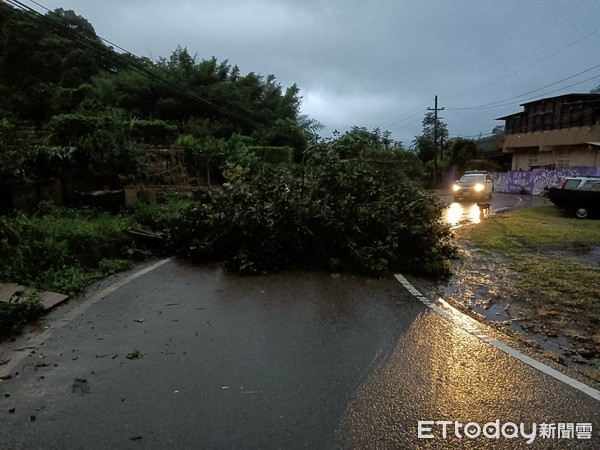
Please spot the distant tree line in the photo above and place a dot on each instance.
(59, 65)
(62, 87)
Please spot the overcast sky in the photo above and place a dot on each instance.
(377, 63)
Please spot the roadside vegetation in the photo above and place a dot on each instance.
(56, 250)
(65, 250)
(62, 250)
(333, 213)
(528, 236)
(532, 229)
(544, 267)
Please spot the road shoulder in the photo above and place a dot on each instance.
(485, 288)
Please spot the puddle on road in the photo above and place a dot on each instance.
(580, 253)
(458, 213)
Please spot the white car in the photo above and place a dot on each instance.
(473, 184)
(588, 183)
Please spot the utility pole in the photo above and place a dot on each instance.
(435, 146)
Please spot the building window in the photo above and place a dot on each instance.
(563, 161)
(532, 160)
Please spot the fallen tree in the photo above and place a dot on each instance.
(336, 213)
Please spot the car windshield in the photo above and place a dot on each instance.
(472, 178)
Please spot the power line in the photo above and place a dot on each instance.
(496, 103)
(572, 115)
(530, 65)
(526, 99)
(100, 37)
(408, 124)
(405, 117)
(547, 93)
(504, 77)
(141, 70)
(492, 106)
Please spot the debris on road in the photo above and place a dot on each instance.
(135, 355)
(80, 386)
(10, 291)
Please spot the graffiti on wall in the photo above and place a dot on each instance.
(535, 181)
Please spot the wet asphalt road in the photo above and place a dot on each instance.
(299, 360)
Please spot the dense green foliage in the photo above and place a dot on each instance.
(434, 132)
(56, 64)
(61, 87)
(449, 154)
(61, 250)
(160, 217)
(462, 151)
(66, 250)
(273, 155)
(350, 207)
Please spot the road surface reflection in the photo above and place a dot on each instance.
(458, 213)
(453, 376)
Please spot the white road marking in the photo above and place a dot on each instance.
(18, 356)
(519, 202)
(471, 326)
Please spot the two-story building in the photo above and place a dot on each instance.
(555, 132)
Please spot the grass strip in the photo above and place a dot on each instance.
(547, 250)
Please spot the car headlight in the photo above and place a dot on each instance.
(456, 187)
(479, 187)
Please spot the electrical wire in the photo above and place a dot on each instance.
(529, 66)
(138, 68)
(497, 105)
(487, 106)
(406, 125)
(405, 117)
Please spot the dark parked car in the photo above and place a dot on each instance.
(578, 195)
